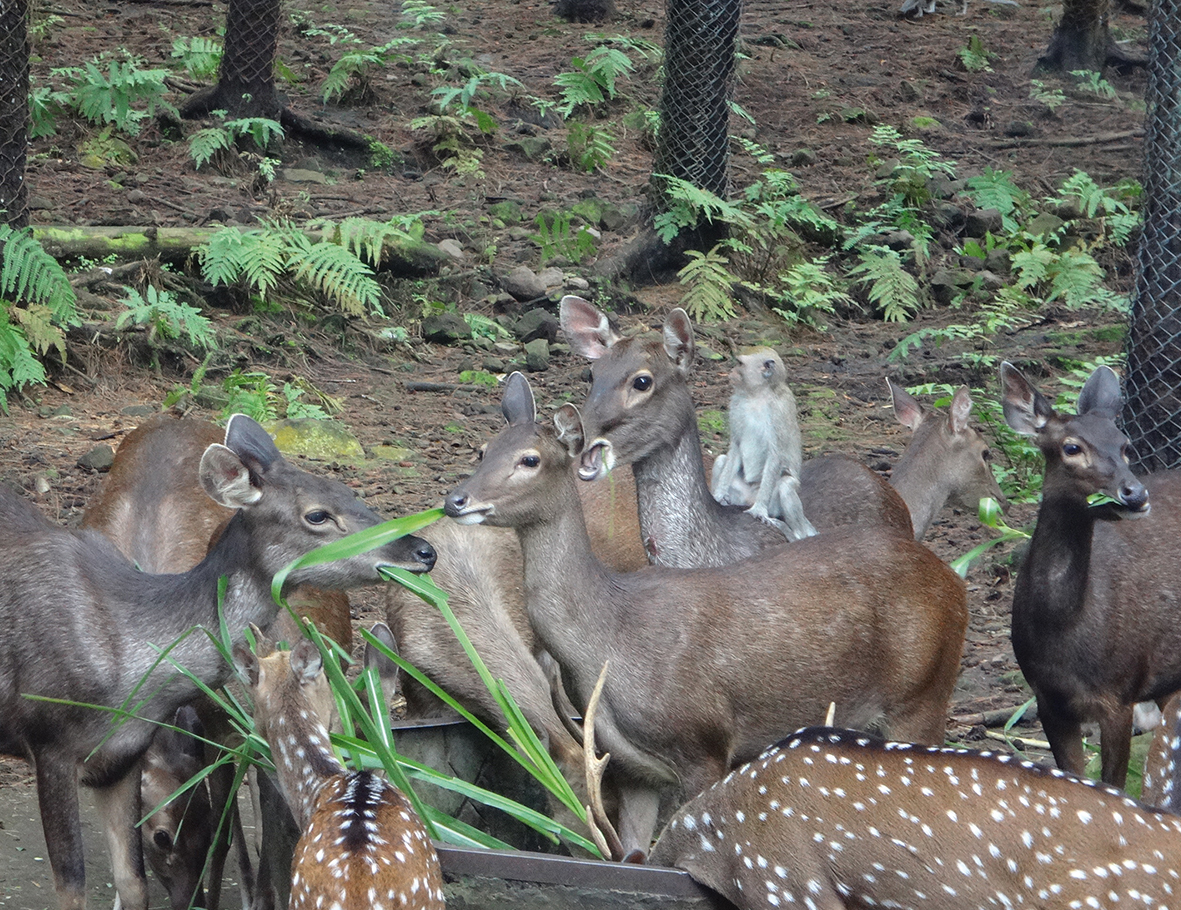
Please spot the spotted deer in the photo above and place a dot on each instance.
(1162, 771)
(874, 622)
(834, 819)
(1095, 605)
(361, 845)
(640, 412)
(105, 648)
(947, 460)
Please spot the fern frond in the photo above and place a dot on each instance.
(366, 239)
(890, 287)
(339, 274)
(206, 143)
(708, 279)
(31, 274)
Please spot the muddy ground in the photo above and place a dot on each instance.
(813, 75)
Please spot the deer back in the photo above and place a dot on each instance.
(832, 818)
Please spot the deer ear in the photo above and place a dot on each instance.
(1026, 409)
(588, 329)
(1100, 393)
(961, 407)
(907, 411)
(518, 405)
(246, 664)
(386, 668)
(568, 428)
(306, 662)
(678, 341)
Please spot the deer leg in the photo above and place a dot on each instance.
(639, 806)
(1115, 732)
(1065, 735)
(57, 795)
(223, 799)
(119, 806)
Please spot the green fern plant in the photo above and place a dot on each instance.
(892, 289)
(452, 144)
(350, 76)
(592, 80)
(200, 57)
(418, 14)
(166, 317)
(36, 303)
(807, 292)
(995, 189)
(590, 147)
(558, 236)
(1093, 83)
(1052, 98)
(216, 142)
(974, 57)
(114, 95)
(261, 257)
(686, 206)
(707, 280)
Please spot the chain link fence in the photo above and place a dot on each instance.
(1152, 409)
(699, 54)
(247, 80)
(14, 111)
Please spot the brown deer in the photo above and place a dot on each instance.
(836, 819)
(874, 622)
(640, 412)
(361, 843)
(1094, 610)
(152, 507)
(105, 650)
(481, 570)
(1162, 771)
(946, 461)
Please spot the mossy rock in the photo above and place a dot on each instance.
(323, 440)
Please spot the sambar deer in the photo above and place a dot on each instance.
(105, 648)
(874, 622)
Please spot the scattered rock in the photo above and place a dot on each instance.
(802, 157)
(537, 355)
(1019, 128)
(537, 323)
(947, 216)
(100, 458)
(445, 328)
(535, 148)
(523, 283)
(302, 175)
(1044, 223)
(325, 440)
(508, 210)
(453, 249)
(551, 278)
(574, 283)
(984, 221)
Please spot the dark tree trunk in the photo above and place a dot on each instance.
(246, 83)
(14, 111)
(1082, 41)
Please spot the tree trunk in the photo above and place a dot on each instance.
(14, 111)
(1080, 40)
(246, 83)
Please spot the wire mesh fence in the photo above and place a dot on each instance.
(14, 110)
(699, 55)
(1152, 409)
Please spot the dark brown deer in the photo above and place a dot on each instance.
(640, 412)
(946, 461)
(874, 622)
(833, 819)
(105, 649)
(361, 845)
(1094, 608)
(152, 507)
(481, 570)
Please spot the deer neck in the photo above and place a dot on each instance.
(679, 518)
(1052, 582)
(303, 760)
(921, 487)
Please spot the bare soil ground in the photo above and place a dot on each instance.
(812, 75)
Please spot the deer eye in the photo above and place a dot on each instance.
(1071, 449)
(317, 517)
(531, 461)
(642, 383)
(986, 455)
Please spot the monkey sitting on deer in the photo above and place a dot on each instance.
(762, 467)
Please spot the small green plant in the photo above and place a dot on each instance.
(381, 156)
(892, 289)
(256, 394)
(215, 142)
(707, 280)
(1052, 98)
(991, 516)
(590, 147)
(46, 105)
(36, 303)
(479, 377)
(115, 94)
(418, 14)
(460, 100)
(807, 292)
(41, 26)
(349, 78)
(1094, 84)
(558, 236)
(166, 317)
(593, 79)
(917, 164)
(261, 257)
(974, 57)
(452, 144)
(200, 57)
(995, 189)
(687, 205)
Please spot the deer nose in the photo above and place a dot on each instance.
(426, 555)
(1134, 495)
(455, 503)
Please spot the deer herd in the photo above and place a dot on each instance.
(705, 619)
